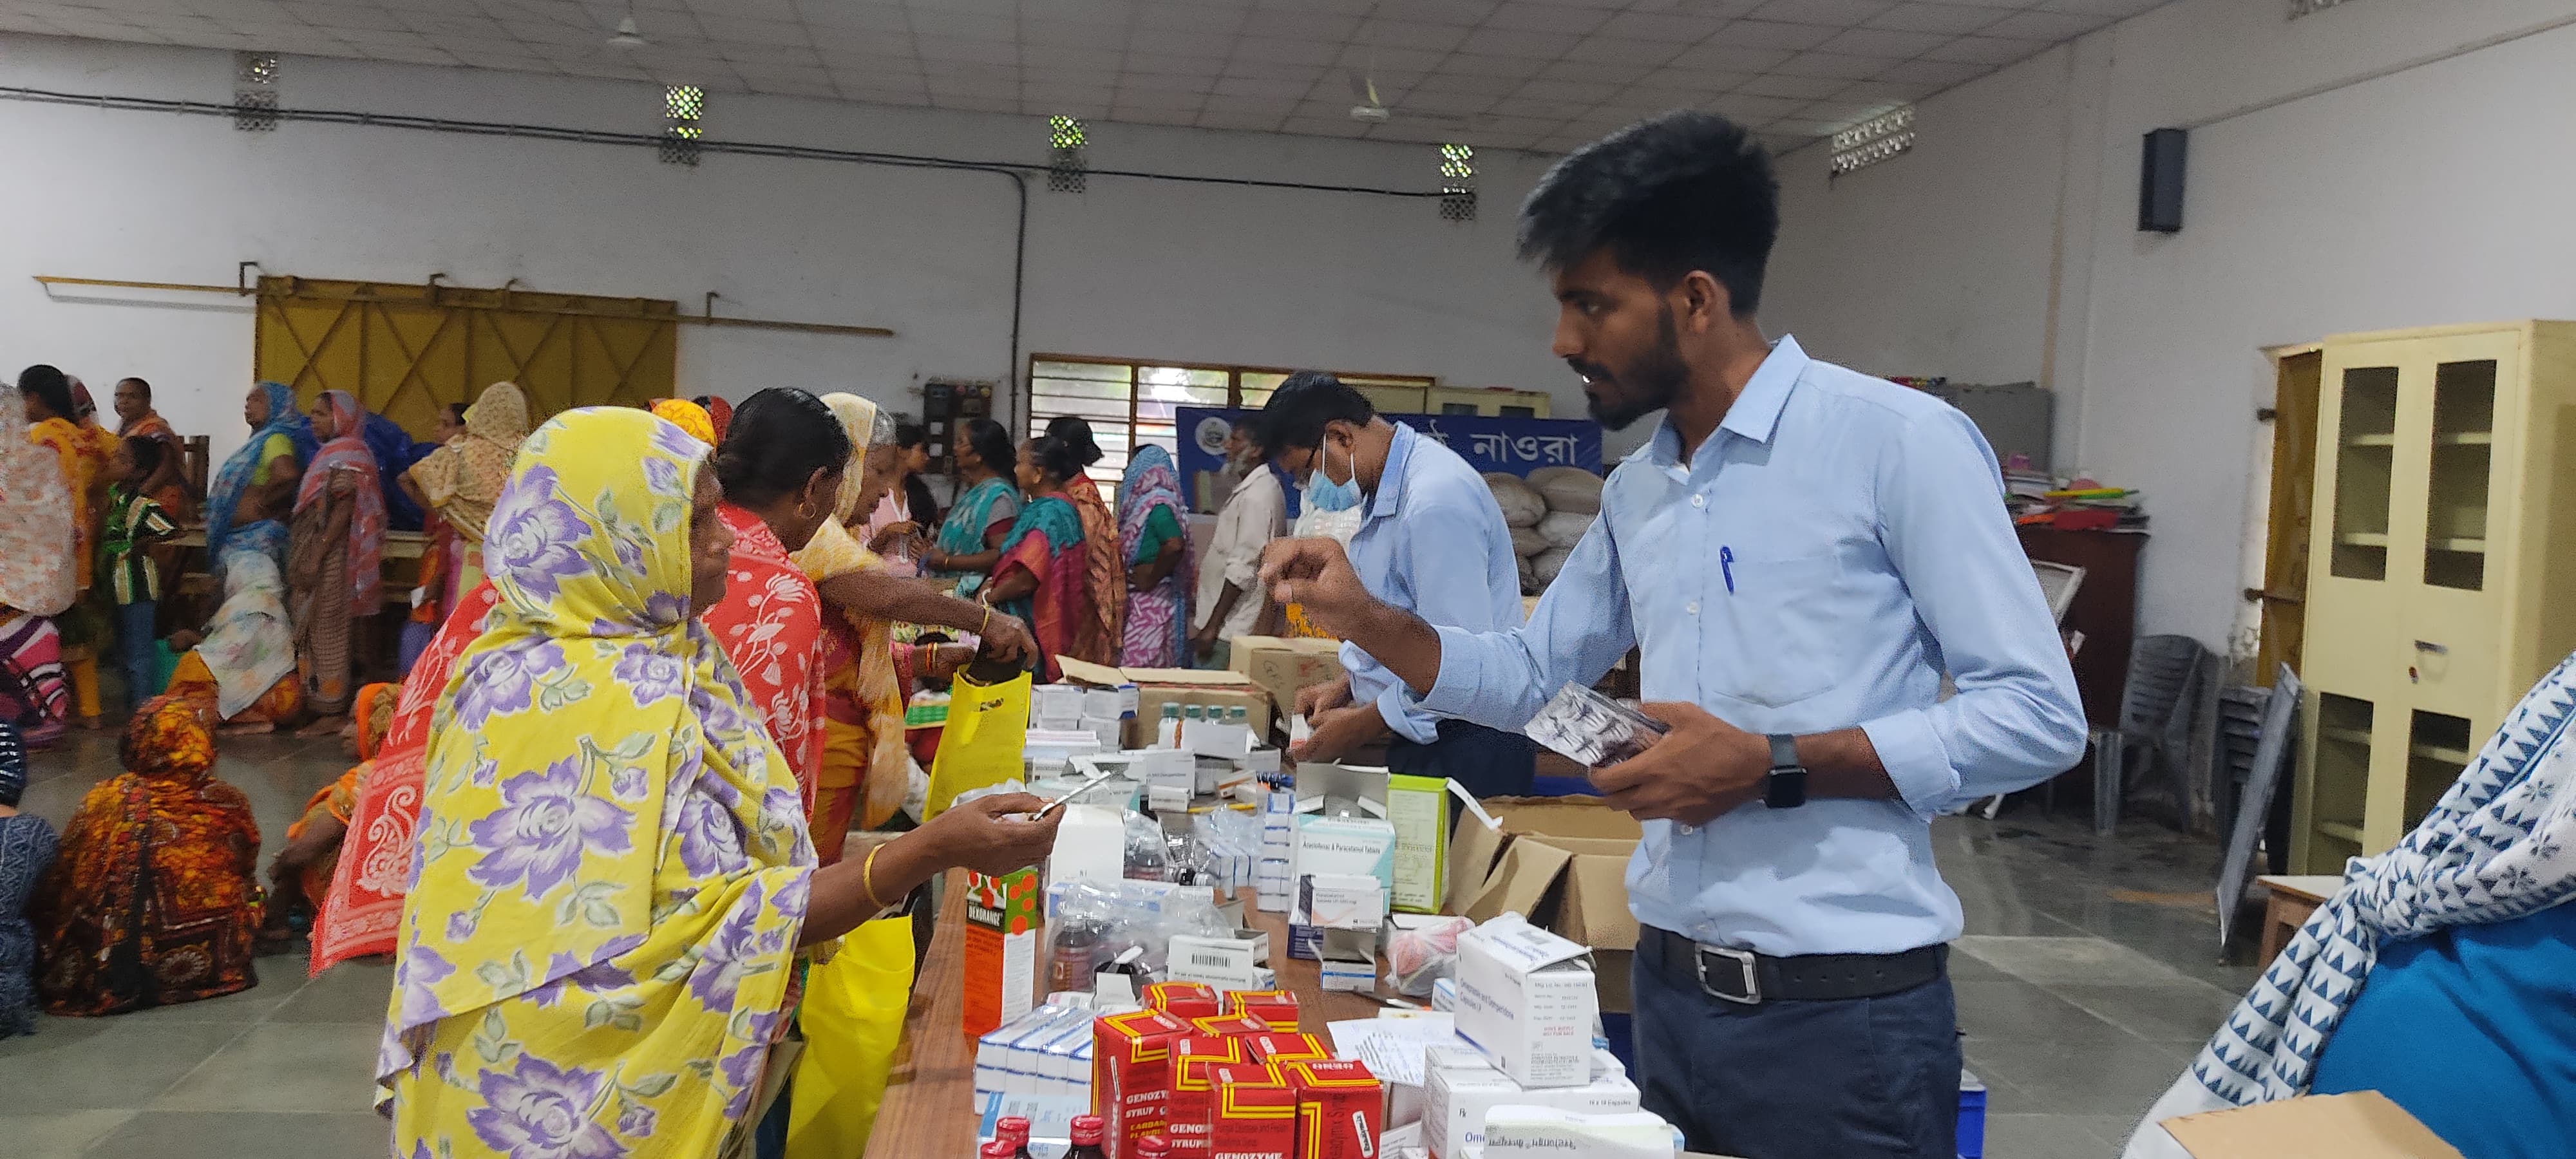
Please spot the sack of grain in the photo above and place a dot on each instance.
(1526, 542)
(1547, 565)
(1564, 528)
(1522, 505)
(1568, 488)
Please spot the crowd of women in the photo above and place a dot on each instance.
(657, 672)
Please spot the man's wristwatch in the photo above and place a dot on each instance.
(1786, 787)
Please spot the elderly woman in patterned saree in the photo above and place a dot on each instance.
(26, 848)
(865, 674)
(334, 561)
(457, 484)
(36, 581)
(244, 662)
(255, 489)
(152, 901)
(1156, 545)
(614, 878)
(1043, 577)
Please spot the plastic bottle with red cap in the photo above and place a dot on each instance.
(1088, 1131)
(1153, 1147)
(996, 1149)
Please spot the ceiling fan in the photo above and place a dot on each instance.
(1373, 109)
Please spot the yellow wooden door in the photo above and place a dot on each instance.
(407, 350)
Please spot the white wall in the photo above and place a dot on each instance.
(2432, 194)
(1132, 268)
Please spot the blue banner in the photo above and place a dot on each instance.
(1511, 446)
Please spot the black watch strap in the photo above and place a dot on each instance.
(1786, 787)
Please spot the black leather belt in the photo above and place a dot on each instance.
(1750, 979)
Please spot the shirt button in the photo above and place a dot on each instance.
(1685, 830)
(1699, 500)
(1691, 607)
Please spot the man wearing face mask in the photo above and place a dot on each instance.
(1802, 552)
(1432, 542)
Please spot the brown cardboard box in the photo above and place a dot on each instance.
(1156, 687)
(1283, 667)
(2361, 1125)
(1562, 862)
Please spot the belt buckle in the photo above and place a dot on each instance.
(1743, 959)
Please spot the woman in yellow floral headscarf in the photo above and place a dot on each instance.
(613, 872)
(865, 679)
(690, 416)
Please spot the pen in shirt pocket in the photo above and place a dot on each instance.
(1726, 566)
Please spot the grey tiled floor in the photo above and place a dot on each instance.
(2088, 976)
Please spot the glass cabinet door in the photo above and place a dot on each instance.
(2366, 445)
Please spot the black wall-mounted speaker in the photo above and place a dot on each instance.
(2160, 180)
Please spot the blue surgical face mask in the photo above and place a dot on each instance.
(1323, 493)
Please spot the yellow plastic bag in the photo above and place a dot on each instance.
(853, 1021)
(988, 726)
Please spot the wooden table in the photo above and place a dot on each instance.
(929, 1109)
(2292, 899)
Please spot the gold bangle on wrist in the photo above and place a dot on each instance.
(868, 875)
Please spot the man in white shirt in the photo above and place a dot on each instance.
(1229, 602)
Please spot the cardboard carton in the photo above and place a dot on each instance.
(1457, 1100)
(1230, 1025)
(1276, 1007)
(1156, 687)
(1001, 952)
(1131, 1074)
(1283, 667)
(2361, 1125)
(1340, 1108)
(1525, 999)
(1255, 1116)
(1281, 1046)
(1418, 808)
(1560, 861)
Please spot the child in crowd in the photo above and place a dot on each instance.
(134, 522)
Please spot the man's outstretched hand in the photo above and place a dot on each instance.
(1316, 574)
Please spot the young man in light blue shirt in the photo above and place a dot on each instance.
(1802, 552)
(1432, 542)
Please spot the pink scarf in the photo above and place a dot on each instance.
(347, 451)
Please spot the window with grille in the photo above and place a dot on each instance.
(1129, 404)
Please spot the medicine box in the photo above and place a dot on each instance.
(1526, 999)
(1457, 1099)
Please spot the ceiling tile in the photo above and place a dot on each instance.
(1752, 109)
(1273, 69)
(1165, 82)
(1805, 88)
(1176, 63)
(1883, 91)
(1157, 40)
(1511, 42)
(1536, 17)
(1941, 73)
(1297, 52)
(1838, 13)
(1066, 32)
(1449, 82)
(1408, 34)
(2051, 26)
(951, 24)
(1322, 126)
(972, 51)
(1202, 17)
(1832, 64)
(1986, 50)
(1883, 42)
(1622, 50)
(1248, 121)
(1564, 90)
(2107, 9)
(1391, 60)
(755, 31)
(1666, 27)
(1299, 24)
(1772, 34)
(1595, 70)
(1955, 19)
(1729, 58)
(1466, 13)
(1155, 116)
(1276, 90)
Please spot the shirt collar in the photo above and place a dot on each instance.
(1390, 482)
(1756, 413)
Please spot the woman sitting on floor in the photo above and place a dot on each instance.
(2439, 974)
(152, 901)
(244, 662)
(26, 849)
(300, 875)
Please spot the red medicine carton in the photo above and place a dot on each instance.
(1182, 1000)
(1280, 1046)
(1276, 1007)
(1193, 1102)
(1340, 1106)
(1131, 1074)
(1255, 1114)
(1230, 1026)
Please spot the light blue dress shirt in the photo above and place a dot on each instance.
(1834, 547)
(1434, 544)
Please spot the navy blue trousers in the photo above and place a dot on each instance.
(1860, 1078)
(1489, 762)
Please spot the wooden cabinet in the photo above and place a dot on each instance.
(2445, 525)
(2105, 609)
